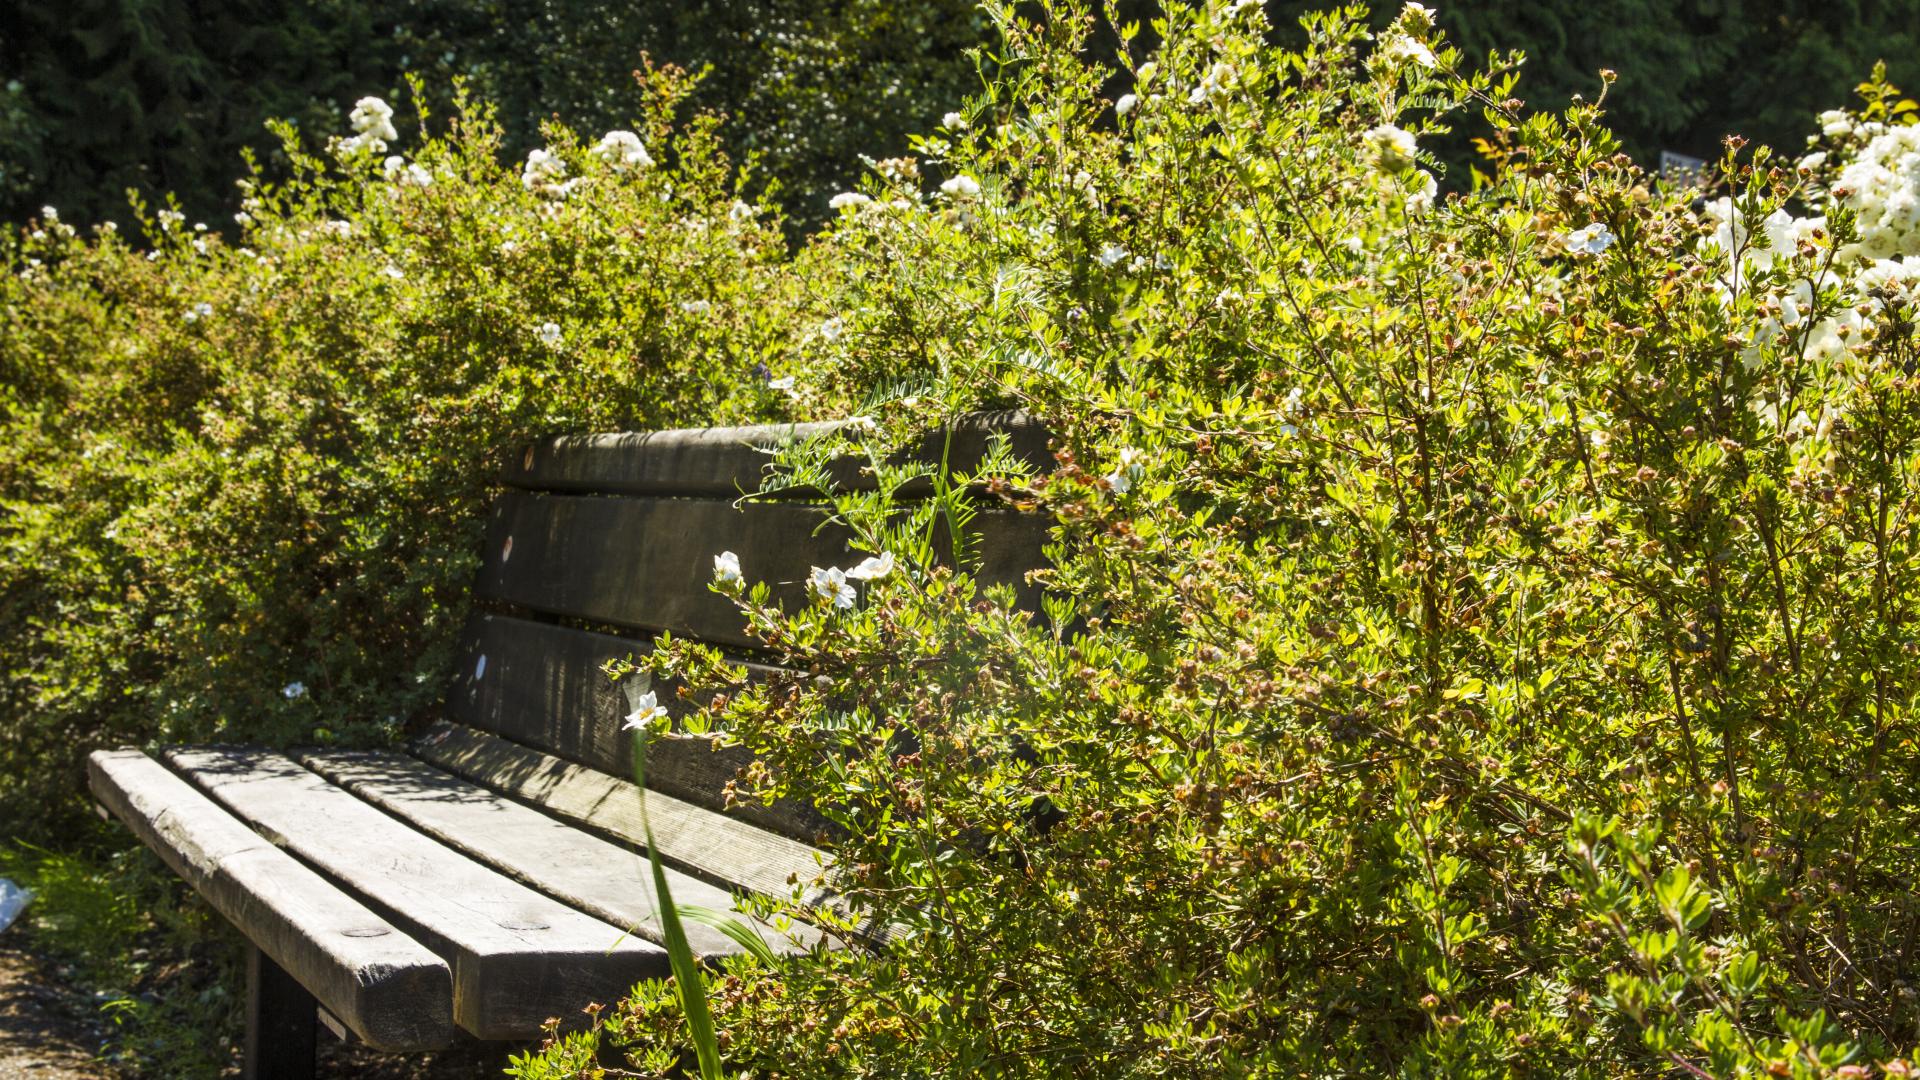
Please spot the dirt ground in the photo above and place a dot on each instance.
(49, 1031)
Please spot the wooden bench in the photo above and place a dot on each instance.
(489, 876)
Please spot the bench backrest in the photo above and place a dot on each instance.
(600, 542)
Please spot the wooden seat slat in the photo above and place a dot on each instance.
(719, 846)
(541, 685)
(391, 991)
(518, 957)
(570, 864)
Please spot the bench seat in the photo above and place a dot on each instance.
(394, 993)
(519, 913)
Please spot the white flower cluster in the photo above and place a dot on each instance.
(622, 150)
(1779, 237)
(1400, 50)
(372, 120)
(1882, 185)
(546, 174)
(961, 188)
(400, 171)
(834, 585)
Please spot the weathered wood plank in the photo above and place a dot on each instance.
(718, 846)
(518, 957)
(732, 461)
(542, 685)
(597, 876)
(647, 563)
(390, 990)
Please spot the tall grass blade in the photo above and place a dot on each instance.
(686, 971)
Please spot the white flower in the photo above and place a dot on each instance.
(1400, 50)
(1214, 84)
(726, 569)
(1588, 239)
(549, 334)
(508, 247)
(1393, 149)
(395, 272)
(170, 219)
(1125, 104)
(243, 218)
(831, 586)
(696, 307)
(846, 199)
(954, 121)
(1813, 161)
(1111, 255)
(740, 211)
(873, 568)
(1419, 16)
(373, 117)
(784, 382)
(647, 715)
(49, 215)
(393, 166)
(622, 150)
(1121, 479)
(832, 328)
(337, 228)
(198, 311)
(1835, 123)
(1420, 199)
(543, 171)
(294, 690)
(961, 187)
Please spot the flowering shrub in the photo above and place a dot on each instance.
(241, 479)
(1475, 639)
(1477, 630)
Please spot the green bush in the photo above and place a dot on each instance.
(1477, 626)
(241, 480)
(1479, 638)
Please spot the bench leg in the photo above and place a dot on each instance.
(280, 1022)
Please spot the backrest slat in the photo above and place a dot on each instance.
(729, 462)
(541, 685)
(647, 563)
